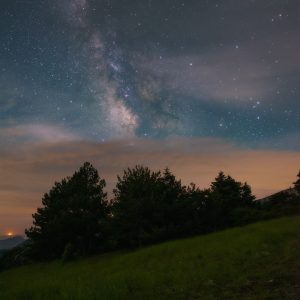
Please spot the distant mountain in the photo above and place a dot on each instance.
(10, 242)
(288, 193)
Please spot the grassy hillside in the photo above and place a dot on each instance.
(259, 261)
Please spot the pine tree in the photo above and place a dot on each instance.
(228, 195)
(73, 212)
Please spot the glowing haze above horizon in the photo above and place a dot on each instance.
(196, 85)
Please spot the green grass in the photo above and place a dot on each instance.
(258, 261)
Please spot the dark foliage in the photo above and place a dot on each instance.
(228, 198)
(147, 207)
(151, 206)
(297, 183)
(74, 212)
(76, 219)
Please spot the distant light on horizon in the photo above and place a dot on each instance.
(10, 234)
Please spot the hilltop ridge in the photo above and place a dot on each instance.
(7, 243)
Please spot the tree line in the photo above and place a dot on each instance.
(77, 218)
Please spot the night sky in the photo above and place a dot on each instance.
(196, 85)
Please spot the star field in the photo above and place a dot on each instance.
(105, 70)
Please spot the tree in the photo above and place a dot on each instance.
(135, 198)
(227, 195)
(146, 206)
(297, 183)
(233, 193)
(172, 201)
(196, 210)
(73, 212)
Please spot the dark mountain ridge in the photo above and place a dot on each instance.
(7, 243)
(287, 193)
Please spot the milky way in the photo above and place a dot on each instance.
(102, 70)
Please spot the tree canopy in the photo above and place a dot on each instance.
(227, 196)
(74, 212)
(146, 207)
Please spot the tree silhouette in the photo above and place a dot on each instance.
(297, 183)
(146, 206)
(227, 195)
(73, 212)
(135, 198)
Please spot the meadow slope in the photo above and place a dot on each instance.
(258, 261)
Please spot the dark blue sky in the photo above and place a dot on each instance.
(102, 70)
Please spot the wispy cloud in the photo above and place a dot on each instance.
(234, 73)
(36, 133)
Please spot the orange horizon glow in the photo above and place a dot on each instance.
(10, 234)
(192, 160)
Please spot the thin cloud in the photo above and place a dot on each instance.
(236, 73)
(40, 133)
